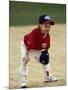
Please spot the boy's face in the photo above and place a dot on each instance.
(45, 28)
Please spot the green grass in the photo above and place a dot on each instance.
(27, 13)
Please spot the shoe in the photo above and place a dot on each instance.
(23, 86)
(51, 79)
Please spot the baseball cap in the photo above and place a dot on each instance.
(45, 18)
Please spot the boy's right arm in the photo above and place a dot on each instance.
(24, 53)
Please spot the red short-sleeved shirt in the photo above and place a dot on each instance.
(35, 39)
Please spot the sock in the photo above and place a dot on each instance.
(46, 69)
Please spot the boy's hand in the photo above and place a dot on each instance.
(26, 58)
(44, 45)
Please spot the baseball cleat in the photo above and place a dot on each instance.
(51, 79)
(23, 86)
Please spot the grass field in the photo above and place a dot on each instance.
(57, 58)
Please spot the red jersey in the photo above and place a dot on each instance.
(35, 39)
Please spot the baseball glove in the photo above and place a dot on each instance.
(44, 57)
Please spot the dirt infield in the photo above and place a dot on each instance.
(57, 58)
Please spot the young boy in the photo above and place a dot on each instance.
(37, 43)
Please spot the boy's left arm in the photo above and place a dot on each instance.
(46, 42)
(44, 57)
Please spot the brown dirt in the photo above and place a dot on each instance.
(57, 55)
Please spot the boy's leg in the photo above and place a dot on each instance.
(46, 68)
(23, 74)
(23, 65)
